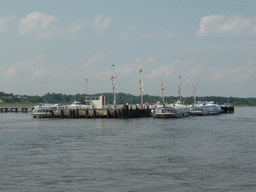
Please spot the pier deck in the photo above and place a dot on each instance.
(16, 108)
(124, 112)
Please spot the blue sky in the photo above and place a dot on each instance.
(54, 46)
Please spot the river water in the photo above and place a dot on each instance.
(212, 153)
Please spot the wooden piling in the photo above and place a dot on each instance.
(70, 114)
(61, 113)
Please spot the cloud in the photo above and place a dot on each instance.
(77, 26)
(4, 21)
(40, 73)
(100, 23)
(120, 71)
(128, 32)
(216, 73)
(138, 59)
(248, 71)
(161, 35)
(11, 71)
(235, 71)
(24, 68)
(221, 24)
(148, 60)
(95, 59)
(166, 69)
(35, 21)
(193, 72)
(97, 24)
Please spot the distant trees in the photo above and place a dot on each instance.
(122, 98)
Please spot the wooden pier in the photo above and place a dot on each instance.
(124, 112)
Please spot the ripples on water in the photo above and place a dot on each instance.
(214, 153)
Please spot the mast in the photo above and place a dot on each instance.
(194, 93)
(114, 85)
(86, 86)
(179, 89)
(141, 83)
(163, 87)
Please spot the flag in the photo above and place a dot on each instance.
(162, 74)
(179, 76)
(140, 70)
(113, 65)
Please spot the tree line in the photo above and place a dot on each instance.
(122, 98)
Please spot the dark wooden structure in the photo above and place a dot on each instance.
(124, 112)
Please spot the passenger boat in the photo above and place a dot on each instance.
(201, 108)
(176, 110)
(77, 105)
(164, 112)
(204, 108)
(45, 110)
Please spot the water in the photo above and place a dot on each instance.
(213, 153)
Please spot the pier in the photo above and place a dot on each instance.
(124, 112)
(16, 108)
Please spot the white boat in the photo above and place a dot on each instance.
(76, 105)
(165, 112)
(90, 103)
(176, 110)
(204, 108)
(45, 110)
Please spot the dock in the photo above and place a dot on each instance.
(16, 108)
(124, 112)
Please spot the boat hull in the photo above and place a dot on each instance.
(41, 115)
(165, 116)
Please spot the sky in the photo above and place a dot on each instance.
(54, 46)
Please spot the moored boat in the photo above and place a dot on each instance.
(176, 110)
(165, 112)
(204, 108)
(45, 110)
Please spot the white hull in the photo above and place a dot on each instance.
(42, 115)
(176, 110)
(204, 108)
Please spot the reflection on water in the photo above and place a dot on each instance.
(215, 153)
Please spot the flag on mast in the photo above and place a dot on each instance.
(140, 70)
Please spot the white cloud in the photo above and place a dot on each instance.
(95, 59)
(4, 21)
(11, 71)
(166, 69)
(128, 32)
(76, 26)
(100, 23)
(40, 73)
(148, 60)
(235, 71)
(24, 68)
(138, 59)
(193, 72)
(35, 21)
(161, 35)
(248, 71)
(120, 71)
(233, 24)
(216, 73)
